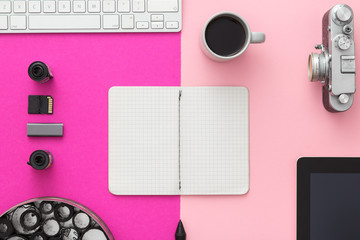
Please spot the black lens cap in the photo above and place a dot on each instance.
(39, 160)
(38, 71)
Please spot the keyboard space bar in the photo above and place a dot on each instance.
(64, 22)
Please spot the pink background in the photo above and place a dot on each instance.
(287, 119)
(85, 66)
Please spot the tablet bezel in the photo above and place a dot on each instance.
(306, 166)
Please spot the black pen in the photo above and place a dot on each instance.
(180, 233)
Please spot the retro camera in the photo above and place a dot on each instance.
(334, 67)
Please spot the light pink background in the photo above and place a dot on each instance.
(287, 119)
(85, 66)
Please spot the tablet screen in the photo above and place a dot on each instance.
(334, 206)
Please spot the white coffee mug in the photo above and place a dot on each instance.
(250, 37)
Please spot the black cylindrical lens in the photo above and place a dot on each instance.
(41, 159)
(40, 72)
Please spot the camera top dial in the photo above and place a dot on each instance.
(342, 14)
(344, 42)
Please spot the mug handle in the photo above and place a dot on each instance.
(257, 37)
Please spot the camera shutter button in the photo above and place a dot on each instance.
(343, 14)
(344, 98)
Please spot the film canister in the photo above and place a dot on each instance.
(41, 159)
(6, 228)
(81, 221)
(38, 236)
(40, 72)
(46, 207)
(51, 227)
(94, 234)
(17, 237)
(69, 234)
(30, 219)
(63, 212)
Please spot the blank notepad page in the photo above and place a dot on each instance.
(214, 140)
(144, 140)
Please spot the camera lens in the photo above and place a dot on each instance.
(310, 68)
(318, 67)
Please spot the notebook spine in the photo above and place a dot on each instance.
(180, 92)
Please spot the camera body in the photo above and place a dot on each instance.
(334, 67)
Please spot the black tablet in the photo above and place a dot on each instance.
(328, 199)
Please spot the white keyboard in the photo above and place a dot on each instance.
(63, 16)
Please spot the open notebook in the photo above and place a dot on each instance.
(178, 140)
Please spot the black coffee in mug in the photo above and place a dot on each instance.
(225, 36)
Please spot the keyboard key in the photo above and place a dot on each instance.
(3, 22)
(18, 22)
(157, 25)
(34, 6)
(19, 6)
(163, 5)
(79, 6)
(27, 16)
(5, 7)
(124, 6)
(157, 18)
(111, 22)
(127, 21)
(142, 25)
(172, 25)
(64, 6)
(64, 22)
(138, 6)
(94, 6)
(108, 6)
(49, 6)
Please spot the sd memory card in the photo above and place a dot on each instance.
(40, 104)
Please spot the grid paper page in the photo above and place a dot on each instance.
(144, 140)
(214, 140)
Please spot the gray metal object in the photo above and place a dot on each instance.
(45, 129)
(334, 67)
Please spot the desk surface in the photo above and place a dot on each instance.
(85, 66)
(287, 119)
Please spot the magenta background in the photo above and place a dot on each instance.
(85, 66)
